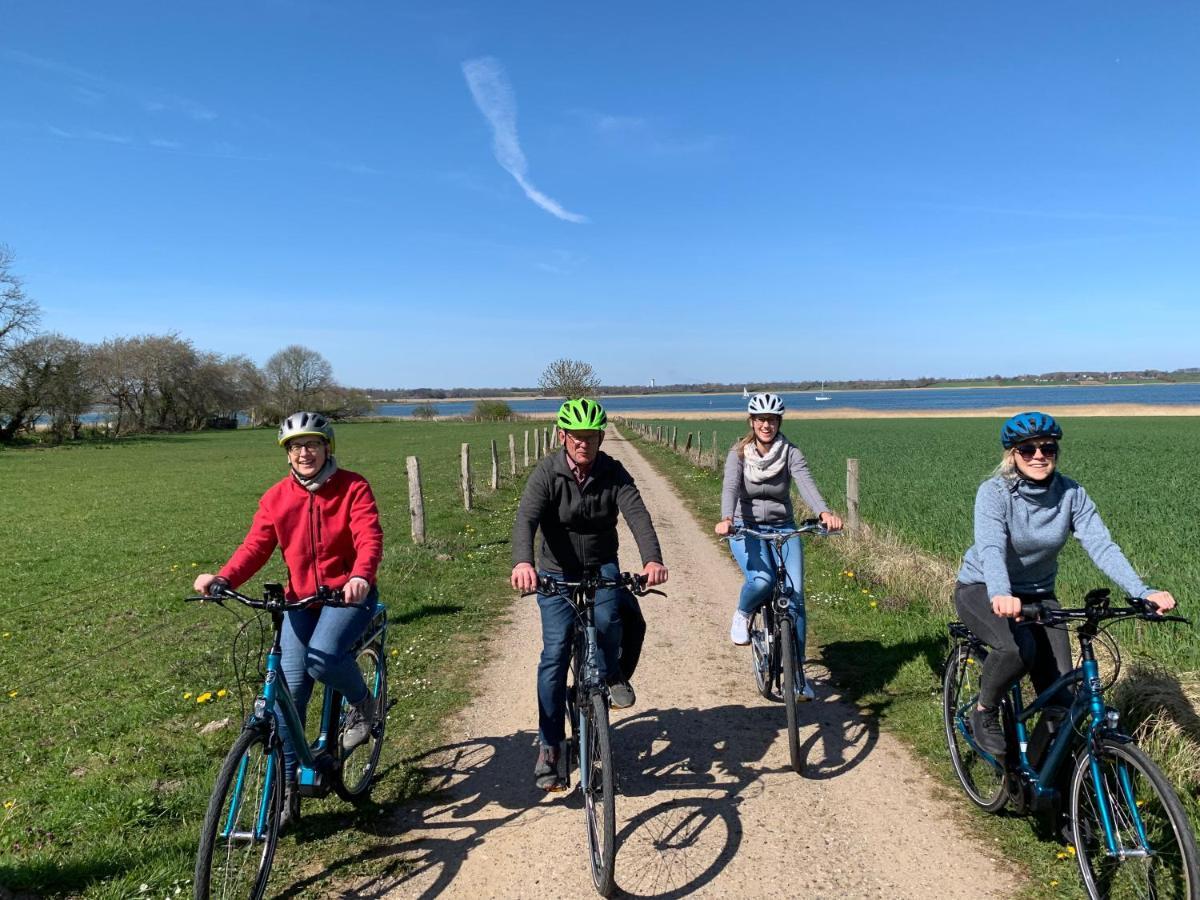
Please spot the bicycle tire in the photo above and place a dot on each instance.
(787, 643)
(760, 655)
(1172, 869)
(599, 801)
(226, 866)
(356, 775)
(985, 784)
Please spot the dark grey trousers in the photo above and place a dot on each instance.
(1016, 650)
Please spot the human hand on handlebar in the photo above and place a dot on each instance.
(1007, 606)
(203, 582)
(654, 573)
(524, 577)
(356, 589)
(831, 520)
(1161, 600)
(724, 527)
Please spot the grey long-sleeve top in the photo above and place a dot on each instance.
(1020, 528)
(579, 522)
(769, 503)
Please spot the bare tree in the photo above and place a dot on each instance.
(569, 379)
(18, 312)
(44, 375)
(296, 377)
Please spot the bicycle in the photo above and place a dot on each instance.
(588, 743)
(241, 826)
(778, 672)
(1129, 830)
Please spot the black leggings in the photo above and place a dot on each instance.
(1016, 650)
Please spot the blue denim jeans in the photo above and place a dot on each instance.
(558, 625)
(758, 565)
(316, 647)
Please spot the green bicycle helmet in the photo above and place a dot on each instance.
(581, 415)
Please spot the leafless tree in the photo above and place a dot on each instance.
(18, 312)
(569, 379)
(45, 375)
(296, 377)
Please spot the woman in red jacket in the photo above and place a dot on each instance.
(326, 525)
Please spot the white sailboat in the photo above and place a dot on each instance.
(745, 394)
(821, 393)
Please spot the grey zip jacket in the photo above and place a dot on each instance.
(1020, 528)
(769, 503)
(579, 522)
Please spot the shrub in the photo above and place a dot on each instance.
(425, 411)
(492, 411)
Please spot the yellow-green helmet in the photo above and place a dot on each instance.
(582, 415)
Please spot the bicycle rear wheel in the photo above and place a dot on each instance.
(985, 783)
(760, 653)
(789, 664)
(241, 826)
(1156, 850)
(353, 780)
(599, 801)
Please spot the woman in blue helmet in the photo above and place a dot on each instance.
(1024, 514)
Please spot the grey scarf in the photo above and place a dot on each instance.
(760, 468)
(314, 484)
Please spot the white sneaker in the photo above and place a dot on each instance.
(739, 630)
(805, 693)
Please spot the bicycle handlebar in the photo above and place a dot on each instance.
(636, 584)
(273, 598)
(1137, 608)
(808, 526)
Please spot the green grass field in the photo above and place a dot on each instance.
(885, 652)
(105, 775)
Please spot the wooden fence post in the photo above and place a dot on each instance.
(416, 500)
(852, 521)
(674, 437)
(699, 446)
(512, 455)
(687, 448)
(716, 453)
(526, 448)
(495, 466)
(466, 475)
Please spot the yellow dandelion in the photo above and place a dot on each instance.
(187, 695)
(394, 652)
(873, 604)
(8, 634)
(1060, 855)
(222, 693)
(1071, 849)
(9, 804)
(195, 565)
(1053, 882)
(865, 591)
(205, 697)
(12, 693)
(849, 574)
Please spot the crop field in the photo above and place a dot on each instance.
(107, 678)
(918, 477)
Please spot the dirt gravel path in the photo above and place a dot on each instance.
(707, 804)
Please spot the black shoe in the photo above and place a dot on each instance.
(291, 806)
(989, 734)
(621, 695)
(545, 773)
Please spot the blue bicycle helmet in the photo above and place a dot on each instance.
(1026, 426)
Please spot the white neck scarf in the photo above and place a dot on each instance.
(760, 467)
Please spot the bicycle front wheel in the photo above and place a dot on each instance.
(353, 780)
(790, 683)
(241, 826)
(596, 778)
(984, 782)
(1155, 850)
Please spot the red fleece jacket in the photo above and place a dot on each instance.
(326, 537)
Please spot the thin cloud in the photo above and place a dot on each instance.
(649, 136)
(89, 134)
(494, 96)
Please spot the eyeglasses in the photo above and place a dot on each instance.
(296, 447)
(765, 420)
(1028, 451)
(583, 437)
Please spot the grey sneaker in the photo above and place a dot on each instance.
(621, 695)
(358, 723)
(291, 806)
(989, 735)
(545, 771)
(805, 693)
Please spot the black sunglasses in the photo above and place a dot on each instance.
(1027, 451)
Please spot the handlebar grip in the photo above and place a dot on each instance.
(1032, 611)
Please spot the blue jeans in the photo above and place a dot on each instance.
(558, 626)
(758, 565)
(316, 647)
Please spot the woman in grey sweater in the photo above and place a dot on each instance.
(1023, 517)
(759, 473)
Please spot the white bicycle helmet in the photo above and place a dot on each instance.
(765, 405)
(302, 423)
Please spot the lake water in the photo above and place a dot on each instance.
(909, 399)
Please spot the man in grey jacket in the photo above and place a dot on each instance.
(574, 496)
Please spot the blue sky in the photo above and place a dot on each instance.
(456, 193)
